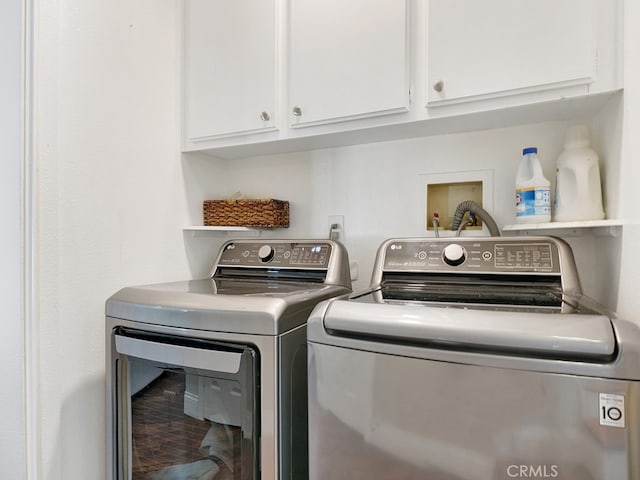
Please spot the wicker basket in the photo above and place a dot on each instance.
(267, 213)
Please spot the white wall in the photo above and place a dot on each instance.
(111, 199)
(629, 301)
(379, 188)
(12, 434)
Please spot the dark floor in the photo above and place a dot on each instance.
(163, 435)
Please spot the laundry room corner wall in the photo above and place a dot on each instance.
(12, 433)
(111, 199)
(629, 193)
(379, 189)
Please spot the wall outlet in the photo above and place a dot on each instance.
(336, 232)
(335, 227)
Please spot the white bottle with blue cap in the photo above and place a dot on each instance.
(533, 190)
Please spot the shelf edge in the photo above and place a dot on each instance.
(563, 225)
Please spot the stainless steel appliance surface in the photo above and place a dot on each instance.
(473, 358)
(208, 378)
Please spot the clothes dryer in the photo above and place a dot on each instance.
(207, 378)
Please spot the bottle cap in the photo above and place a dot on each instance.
(577, 136)
(529, 150)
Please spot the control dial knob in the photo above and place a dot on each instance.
(266, 253)
(453, 254)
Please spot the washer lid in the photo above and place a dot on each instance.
(235, 306)
(588, 337)
(259, 288)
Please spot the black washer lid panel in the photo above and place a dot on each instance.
(474, 289)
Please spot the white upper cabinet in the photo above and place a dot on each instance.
(495, 48)
(277, 76)
(229, 69)
(347, 60)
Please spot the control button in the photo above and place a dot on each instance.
(287, 254)
(422, 255)
(487, 255)
(453, 254)
(246, 253)
(266, 253)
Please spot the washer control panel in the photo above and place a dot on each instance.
(472, 255)
(276, 254)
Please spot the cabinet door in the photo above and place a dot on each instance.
(229, 67)
(486, 48)
(348, 59)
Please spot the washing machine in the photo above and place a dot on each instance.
(473, 359)
(208, 378)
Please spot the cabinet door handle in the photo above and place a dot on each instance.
(438, 86)
(264, 116)
(297, 111)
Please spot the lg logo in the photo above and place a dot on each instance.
(532, 471)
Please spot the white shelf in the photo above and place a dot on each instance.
(200, 230)
(610, 226)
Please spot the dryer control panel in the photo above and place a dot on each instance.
(305, 260)
(276, 254)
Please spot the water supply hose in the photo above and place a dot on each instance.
(436, 223)
(475, 208)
